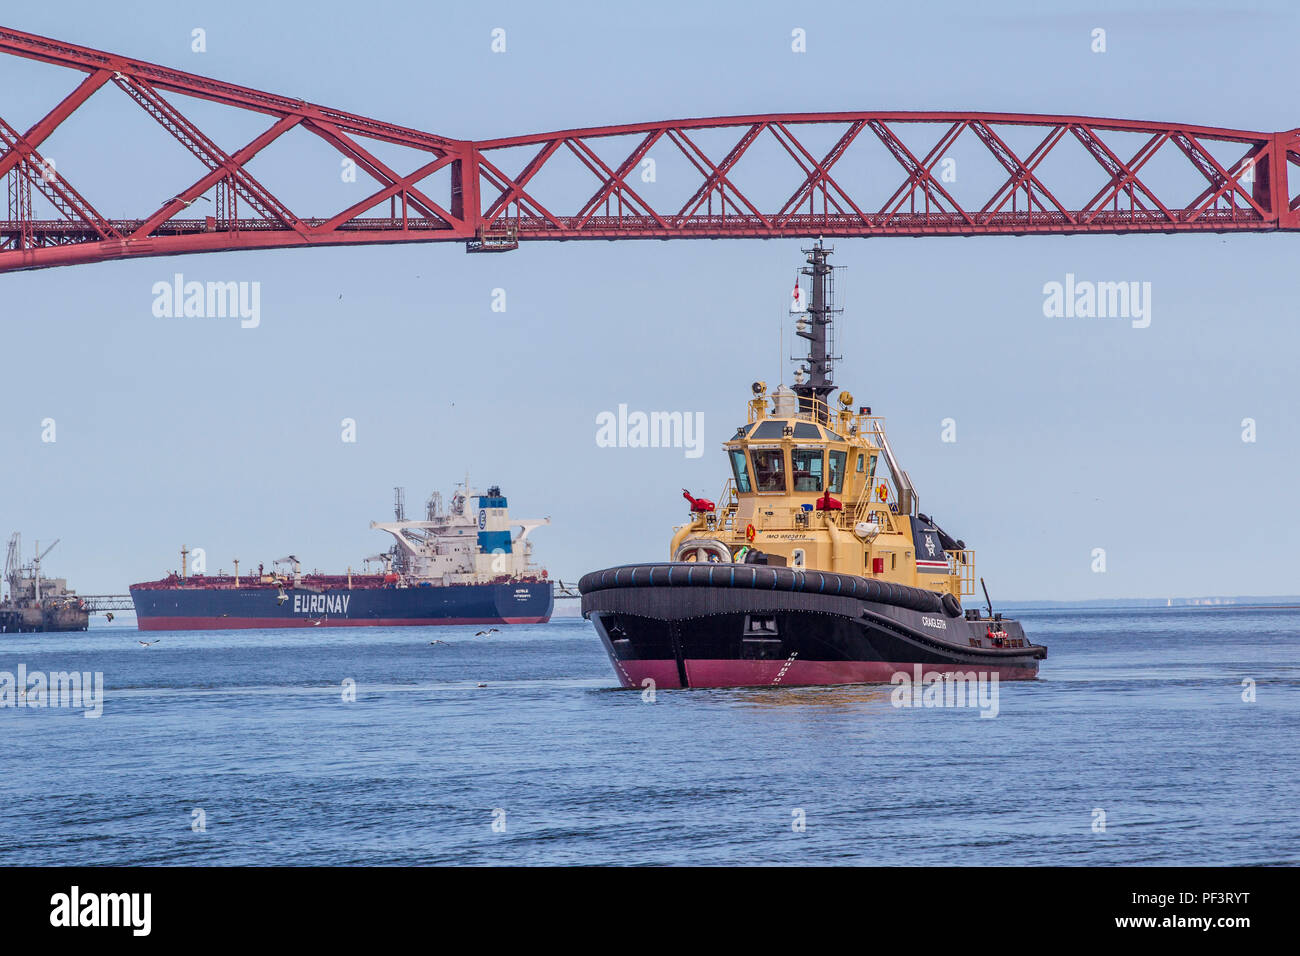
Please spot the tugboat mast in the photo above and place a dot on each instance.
(814, 393)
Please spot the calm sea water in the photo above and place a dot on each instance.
(1138, 714)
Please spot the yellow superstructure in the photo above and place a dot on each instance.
(818, 489)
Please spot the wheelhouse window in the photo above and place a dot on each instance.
(740, 468)
(837, 460)
(769, 430)
(769, 468)
(807, 466)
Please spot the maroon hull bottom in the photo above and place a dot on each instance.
(280, 623)
(751, 673)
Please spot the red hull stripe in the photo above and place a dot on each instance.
(737, 673)
(244, 623)
(663, 673)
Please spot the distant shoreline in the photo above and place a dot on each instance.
(1144, 604)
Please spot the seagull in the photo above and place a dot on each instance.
(482, 685)
(148, 643)
(437, 642)
(187, 203)
(109, 615)
(281, 597)
(490, 630)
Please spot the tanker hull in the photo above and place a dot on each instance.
(203, 608)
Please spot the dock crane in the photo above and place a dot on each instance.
(14, 567)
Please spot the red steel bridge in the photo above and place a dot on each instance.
(1243, 177)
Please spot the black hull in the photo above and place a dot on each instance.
(691, 625)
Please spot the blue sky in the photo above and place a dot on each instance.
(1072, 434)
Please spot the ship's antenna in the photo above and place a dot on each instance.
(399, 515)
(818, 331)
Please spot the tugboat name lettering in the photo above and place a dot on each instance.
(321, 603)
(935, 622)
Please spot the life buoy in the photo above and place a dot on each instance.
(750, 533)
(882, 492)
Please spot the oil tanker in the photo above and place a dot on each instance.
(464, 565)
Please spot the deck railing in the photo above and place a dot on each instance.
(962, 563)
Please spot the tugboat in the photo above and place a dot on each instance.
(815, 566)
